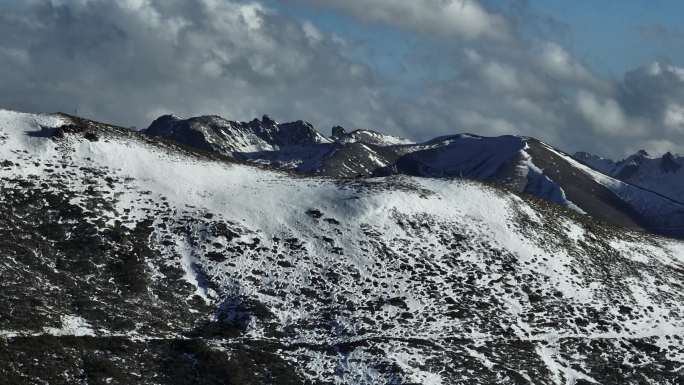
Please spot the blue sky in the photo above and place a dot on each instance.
(383, 47)
(608, 35)
(604, 76)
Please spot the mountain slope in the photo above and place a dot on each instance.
(136, 261)
(531, 166)
(523, 164)
(662, 175)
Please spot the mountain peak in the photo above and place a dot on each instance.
(668, 163)
(296, 134)
(267, 120)
(338, 132)
(231, 137)
(596, 162)
(642, 154)
(368, 137)
(163, 123)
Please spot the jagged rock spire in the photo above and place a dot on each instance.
(338, 132)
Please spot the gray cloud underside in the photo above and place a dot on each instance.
(130, 61)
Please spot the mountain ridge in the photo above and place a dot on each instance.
(505, 160)
(663, 175)
(135, 260)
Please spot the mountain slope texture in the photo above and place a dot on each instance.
(523, 164)
(663, 175)
(127, 258)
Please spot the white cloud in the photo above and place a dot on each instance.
(466, 19)
(674, 117)
(491, 124)
(314, 35)
(604, 114)
(129, 61)
(557, 62)
(511, 78)
(501, 77)
(124, 61)
(656, 69)
(473, 56)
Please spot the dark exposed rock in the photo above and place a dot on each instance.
(338, 132)
(668, 164)
(91, 136)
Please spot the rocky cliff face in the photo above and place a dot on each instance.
(230, 138)
(132, 260)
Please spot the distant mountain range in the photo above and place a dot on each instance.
(663, 175)
(638, 193)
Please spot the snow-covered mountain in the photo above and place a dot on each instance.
(521, 163)
(663, 175)
(367, 136)
(291, 146)
(227, 137)
(127, 259)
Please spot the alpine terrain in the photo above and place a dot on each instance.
(663, 175)
(206, 251)
(522, 164)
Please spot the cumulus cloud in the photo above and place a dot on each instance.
(466, 19)
(655, 94)
(494, 93)
(560, 64)
(604, 114)
(130, 61)
(674, 117)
